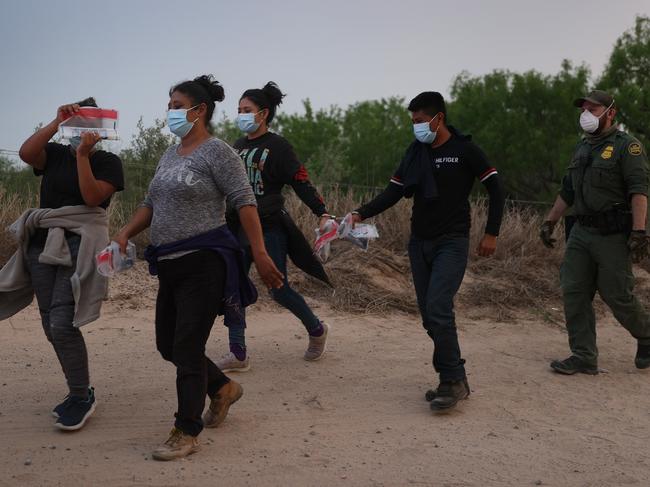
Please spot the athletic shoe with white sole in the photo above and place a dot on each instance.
(59, 408)
(76, 412)
(317, 345)
(230, 363)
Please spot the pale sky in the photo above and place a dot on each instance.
(127, 54)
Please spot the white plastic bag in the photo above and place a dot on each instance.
(91, 119)
(111, 260)
(322, 246)
(359, 236)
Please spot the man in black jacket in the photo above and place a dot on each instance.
(438, 172)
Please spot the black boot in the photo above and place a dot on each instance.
(449, 393)
(573, 365)
(642, 359)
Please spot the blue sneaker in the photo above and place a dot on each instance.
(76, 412)
(58, 409)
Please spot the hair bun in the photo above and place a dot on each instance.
(211, 86)
(273, 93)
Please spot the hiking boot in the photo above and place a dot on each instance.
(230, 363)
(178, 445)
(76, 412)
(317, 345)
(642, 359)
(573, 365)
(449, 393)
(225, 397)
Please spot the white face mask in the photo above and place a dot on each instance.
(590, 122)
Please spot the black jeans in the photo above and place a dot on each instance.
(56, 304)
(189, 297)
(438, 268)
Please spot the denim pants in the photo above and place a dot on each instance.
(189, 297)
(56, 304)
(438, 267)
(276, 243)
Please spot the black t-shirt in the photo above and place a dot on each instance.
(456, 164)
(60, 183)
(271, 163)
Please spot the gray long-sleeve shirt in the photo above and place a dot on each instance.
(188, 194)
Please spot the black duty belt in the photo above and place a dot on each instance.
(594, 221)
(608, 222)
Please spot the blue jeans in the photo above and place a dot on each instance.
(276, 242)
(438, 267)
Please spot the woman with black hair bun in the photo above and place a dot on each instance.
(271, 164)
(199, 263)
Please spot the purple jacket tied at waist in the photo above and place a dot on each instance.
(239, 290)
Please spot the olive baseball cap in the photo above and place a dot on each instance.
(598, 97)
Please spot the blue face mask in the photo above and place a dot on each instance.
(246, 122)
(178, 123)
(424, 133)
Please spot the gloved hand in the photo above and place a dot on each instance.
(546, 234)
(637, 243)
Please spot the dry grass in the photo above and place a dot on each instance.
(521, 278)
(523, 275)
(11, 207)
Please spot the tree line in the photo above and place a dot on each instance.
(525, 122)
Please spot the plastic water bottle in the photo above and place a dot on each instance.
(111, 260)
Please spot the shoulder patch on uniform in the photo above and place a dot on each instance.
(607, 152)
(635, 149)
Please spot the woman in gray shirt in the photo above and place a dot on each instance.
(193, 253)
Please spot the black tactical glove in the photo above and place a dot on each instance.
(546, 234)
(638, 245)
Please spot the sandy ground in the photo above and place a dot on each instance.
(356, 418)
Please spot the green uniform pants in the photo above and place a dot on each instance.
(595, 262)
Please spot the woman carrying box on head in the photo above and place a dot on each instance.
(58, 243)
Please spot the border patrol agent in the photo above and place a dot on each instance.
(606, 185)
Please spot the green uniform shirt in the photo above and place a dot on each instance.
(604, 173)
